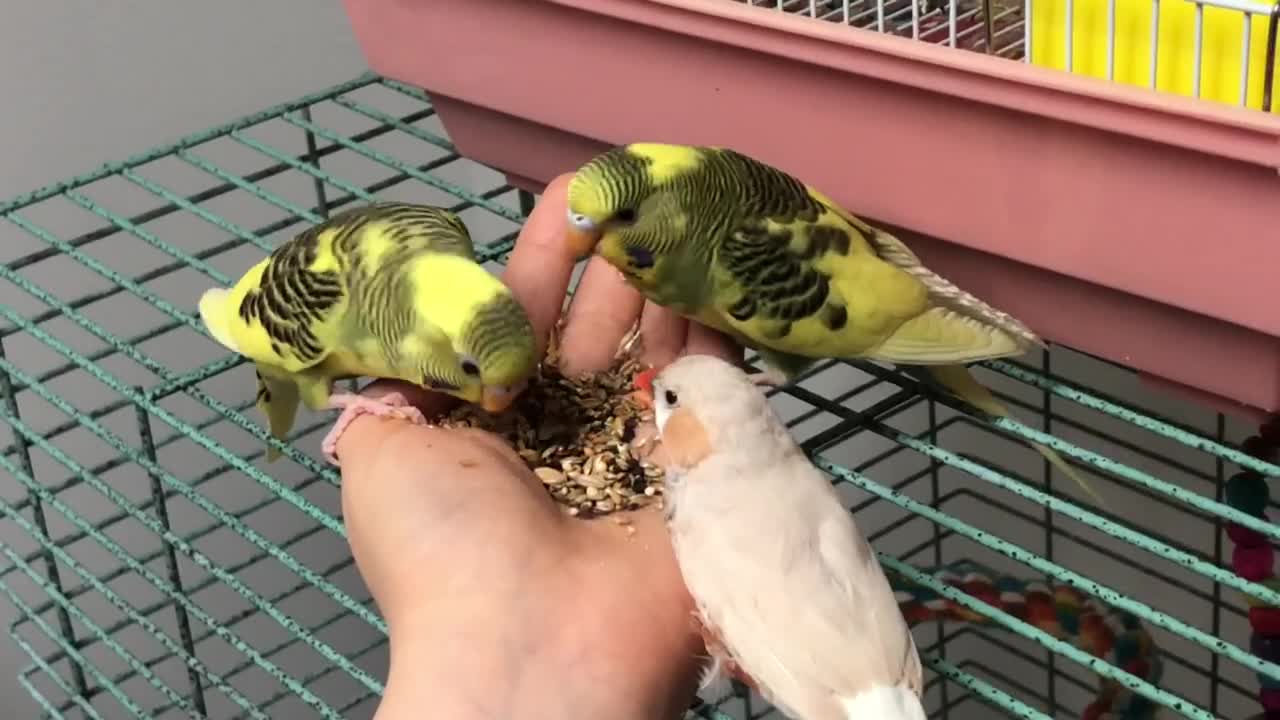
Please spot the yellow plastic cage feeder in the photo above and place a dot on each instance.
(1224, 45)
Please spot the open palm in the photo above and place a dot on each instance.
(498, 605)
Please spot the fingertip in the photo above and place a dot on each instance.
(604, 308)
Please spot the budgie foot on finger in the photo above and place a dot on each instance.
(353, 406)
(771, 378)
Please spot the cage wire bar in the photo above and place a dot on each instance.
(1001, 28)
(156, 570)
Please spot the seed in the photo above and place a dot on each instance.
(582, 436)
(549, 476)
(598, 464)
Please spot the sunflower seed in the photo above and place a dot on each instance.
(549, 476)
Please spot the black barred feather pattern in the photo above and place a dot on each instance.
(291, 298)
(772, 263)
(499, 330)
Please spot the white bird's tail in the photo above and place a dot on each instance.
(884, 703)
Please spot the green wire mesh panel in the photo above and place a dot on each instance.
(155, 570)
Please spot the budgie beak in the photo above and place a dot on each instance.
(582, 235)
(496, 398)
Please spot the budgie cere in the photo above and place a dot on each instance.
(789, 595)
(747, 249)
(387, 290)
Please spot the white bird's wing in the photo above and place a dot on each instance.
(819, 621)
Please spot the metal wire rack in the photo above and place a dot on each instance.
(1118, 40)
(155, 570)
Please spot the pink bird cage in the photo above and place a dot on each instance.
(1102, 189)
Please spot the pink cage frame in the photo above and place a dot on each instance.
(1140, 227)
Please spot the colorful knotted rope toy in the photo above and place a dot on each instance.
(1062, 611)
(1253, 558)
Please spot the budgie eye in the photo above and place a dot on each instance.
(469, 367)
(670, 397)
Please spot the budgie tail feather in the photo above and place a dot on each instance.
(213, 313)
(278, 402)
(961, 382)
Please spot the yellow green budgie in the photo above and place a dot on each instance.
(749, 250)
(387, 290)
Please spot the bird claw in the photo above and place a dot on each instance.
(353, 406)
(768, 378)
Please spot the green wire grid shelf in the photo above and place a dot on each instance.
(155, 570)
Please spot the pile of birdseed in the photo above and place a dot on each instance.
(585, 437)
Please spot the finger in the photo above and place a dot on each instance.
(662, 334)
(408, 491)
(379, 448)
(541, 263)
(703, 340)
(604, 308)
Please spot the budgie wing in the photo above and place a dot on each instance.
(292, 313)
(958, 327)
(414, 227)
(809, 278)
(291, 316)
(797, 278)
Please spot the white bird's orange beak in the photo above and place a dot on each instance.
(644, 386)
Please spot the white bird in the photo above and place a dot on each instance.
(789, 593)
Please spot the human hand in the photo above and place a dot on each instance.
(498, 605)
